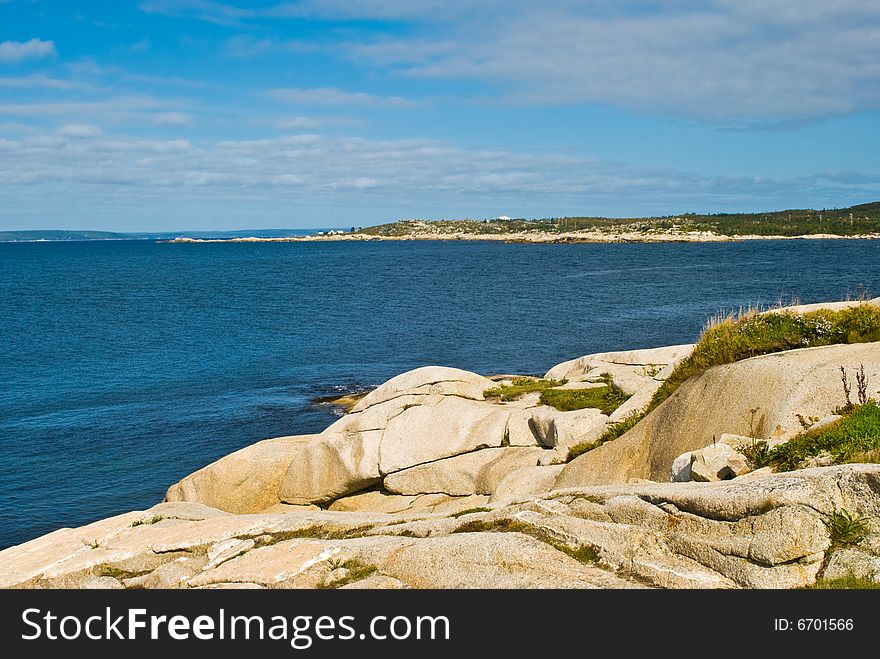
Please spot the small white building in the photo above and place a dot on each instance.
(504, 218)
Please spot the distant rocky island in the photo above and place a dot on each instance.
(746, 460)
(861, 221)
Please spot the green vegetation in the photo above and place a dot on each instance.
(505, 525)
(751, 334)
(855, 438)
(582, 553)
(846, 529)
(322, 533)
(470, 511)
(849, 582)
(356, 572)
(606, 398)
(110, 571)
(149, 520)
(520, 387)
(613, 431)
(852, 221)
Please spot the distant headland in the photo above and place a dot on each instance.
(859, 221)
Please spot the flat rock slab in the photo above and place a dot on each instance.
(478, 472)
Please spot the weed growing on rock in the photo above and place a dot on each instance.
(613, 431)
(862, 385)
(851, 439)
(521, 387)
(607, 398)
(582, 553)
(847, 389)
(846, 529)
(849, 582)
(757, 453)
(149, 520)
(751, 334)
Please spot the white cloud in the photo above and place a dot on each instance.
(115, 107)
(317, 168)
(38, 81)
(172, 119)
(334, 96)
(302, 122)
(205, 10)
(245, 46)
(714, 59)
(80, 130)
(16, 51)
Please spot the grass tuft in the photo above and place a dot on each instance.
(520, 387)
(849, 582)
(607, 398)
(854, 438)
(357, 571)
(149, 520)
(613, 431)
(846, 529)
(749, 334)
(504, 525)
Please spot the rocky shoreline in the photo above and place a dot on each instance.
(433, 480)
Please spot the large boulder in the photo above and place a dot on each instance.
(758, 397)
(438, 380)
(245, 481)
(420, 416)
(526, 482)
(330, 467)
(718, 462)
(440, 428)
(824, 306)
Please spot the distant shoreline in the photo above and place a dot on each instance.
(534, 238)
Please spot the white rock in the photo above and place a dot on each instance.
(681, 468)
(431, 432)
(478, 472)
(717, 462)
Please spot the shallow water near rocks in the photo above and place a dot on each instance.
(126, 365)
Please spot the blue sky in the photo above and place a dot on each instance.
(196, 114)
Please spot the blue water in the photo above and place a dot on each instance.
(127, 365)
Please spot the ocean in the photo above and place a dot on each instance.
(125, 365)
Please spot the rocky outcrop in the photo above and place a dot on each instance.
(427, 431)
(427, 484)
(421, 416)
(245, 481)
(759, 397)
(767, 531)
